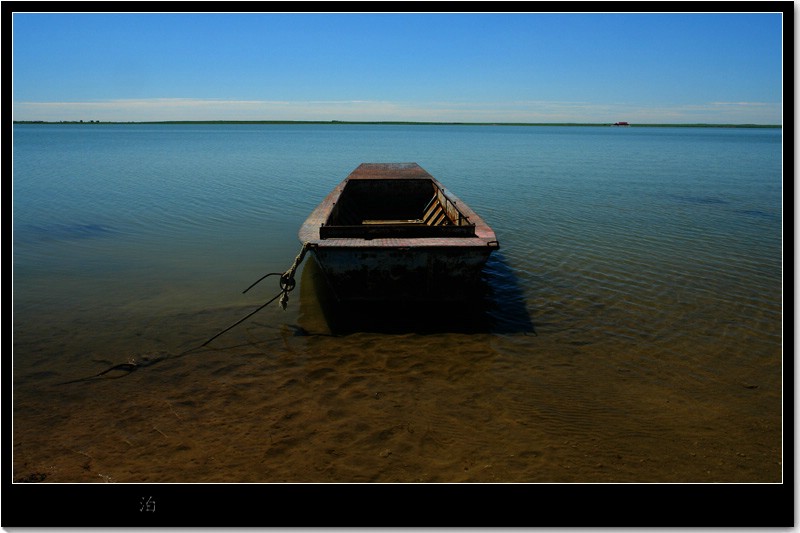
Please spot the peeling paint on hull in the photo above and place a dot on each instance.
(402, 274)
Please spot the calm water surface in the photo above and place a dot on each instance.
(631, 330)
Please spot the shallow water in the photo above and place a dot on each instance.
(631, 329)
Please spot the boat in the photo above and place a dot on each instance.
(391, 232)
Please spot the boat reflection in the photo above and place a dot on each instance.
(499, 307)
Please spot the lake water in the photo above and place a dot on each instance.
(632, 329)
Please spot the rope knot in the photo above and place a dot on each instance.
(287, 284)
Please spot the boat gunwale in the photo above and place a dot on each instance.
(310, 230)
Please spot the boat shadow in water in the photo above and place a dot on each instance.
(497, 307)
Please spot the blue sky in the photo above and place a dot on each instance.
(452, 67)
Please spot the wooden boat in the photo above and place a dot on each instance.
(392, 232)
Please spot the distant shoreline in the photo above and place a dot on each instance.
(400, 123)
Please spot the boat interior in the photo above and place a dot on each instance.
(397, 208)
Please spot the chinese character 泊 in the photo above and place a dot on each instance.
(148, 505)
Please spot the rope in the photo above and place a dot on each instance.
(287, 284)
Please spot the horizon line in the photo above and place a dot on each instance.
(405, 122)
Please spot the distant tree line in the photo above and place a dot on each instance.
(402, 123)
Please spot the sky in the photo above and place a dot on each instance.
(719, 68)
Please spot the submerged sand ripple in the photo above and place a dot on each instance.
(269, 406)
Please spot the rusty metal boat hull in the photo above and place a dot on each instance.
(392, 232)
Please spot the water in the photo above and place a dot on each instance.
(631, 331)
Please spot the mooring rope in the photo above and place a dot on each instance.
(287, 284)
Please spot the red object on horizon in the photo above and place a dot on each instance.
(621, 124)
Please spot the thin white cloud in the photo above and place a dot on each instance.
(744, 104)
(163, 109)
